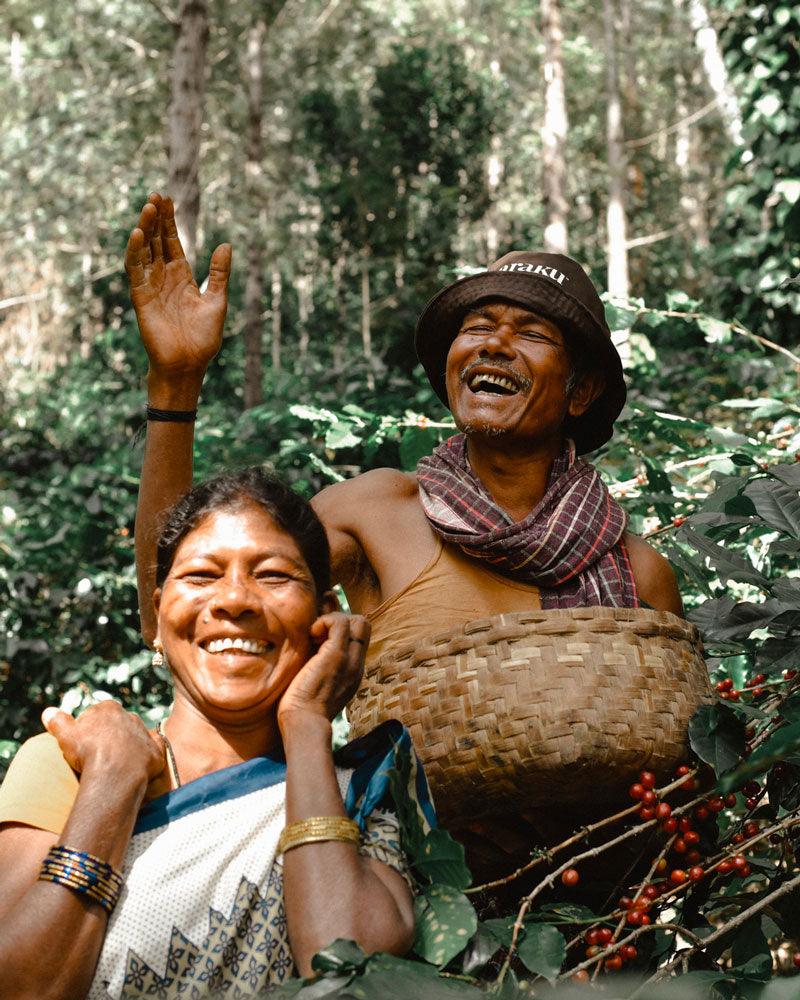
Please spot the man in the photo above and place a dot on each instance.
(522, 355)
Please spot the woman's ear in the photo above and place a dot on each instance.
(329, 603)
(590, 385)
(156, 605)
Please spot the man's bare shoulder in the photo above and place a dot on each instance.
(655, 579)
(341, 503)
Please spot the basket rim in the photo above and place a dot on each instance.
(671, 625)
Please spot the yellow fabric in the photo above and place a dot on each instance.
(451, 590)
(40, 765)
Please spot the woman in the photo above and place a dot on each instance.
(210, 903)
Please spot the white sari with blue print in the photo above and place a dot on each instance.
(202, 910)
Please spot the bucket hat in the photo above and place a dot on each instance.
(556, 287)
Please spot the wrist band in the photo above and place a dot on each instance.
(83, 873)
(171, 416)
(318, 828)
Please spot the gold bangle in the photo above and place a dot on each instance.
(318, 828)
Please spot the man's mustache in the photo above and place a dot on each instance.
(522, 381)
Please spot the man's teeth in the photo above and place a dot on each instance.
(499, 380)
(245, 645)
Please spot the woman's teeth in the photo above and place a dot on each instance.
(245, 645)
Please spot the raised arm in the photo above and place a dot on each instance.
(181, 329)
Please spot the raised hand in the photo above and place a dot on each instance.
(181, 327)
(331, 677)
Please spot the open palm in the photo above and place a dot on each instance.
(181, 327)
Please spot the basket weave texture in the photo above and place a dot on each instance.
(541, 708)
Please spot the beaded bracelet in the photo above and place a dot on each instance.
(84, 873)
(316, 829)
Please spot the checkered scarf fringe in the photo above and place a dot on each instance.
(570, 545)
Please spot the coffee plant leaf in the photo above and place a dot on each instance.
(501, 929)
(446, 920)
(715, 330)
(789, 474)
(572, 913)
(482, 947)
(543, 950)
(777, 503)
(716, 735)
(342, 955)
(440, 858)
(730, 565)
(724, 618)
(386, 976)
(416, 443)
(783, 745)
(789, 708)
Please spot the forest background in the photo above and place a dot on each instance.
(359, 155)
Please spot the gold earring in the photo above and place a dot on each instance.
(158, 657)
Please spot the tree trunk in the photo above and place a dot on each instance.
(277, 295)
(705, 38)
(554, 132)
(186, 119)
(366, 306)
(618, 284)
(254, 283)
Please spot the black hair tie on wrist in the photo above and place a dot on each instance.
(171, 416)
(164, 417)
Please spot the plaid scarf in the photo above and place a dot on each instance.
(570, 545)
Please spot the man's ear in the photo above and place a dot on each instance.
(329, 603)
(589, 386)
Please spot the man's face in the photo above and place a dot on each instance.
(507, 372)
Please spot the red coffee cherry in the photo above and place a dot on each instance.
(592, 936)
(724, 867)
(684, 824)
(739, 861)
(696, 873)
(625, 902)
(679, 845)
(570, 878)
(670, 825)
(716, 804)
(691, 838)
(663, 810)
(581, 976)
(677, 876)
(613, 963)
(647, 813)
(628, 952)
(750, 829)
(604, 934)
(648, 797)
(636, 791)
(796, 958)
(647, 779)
(700, 811)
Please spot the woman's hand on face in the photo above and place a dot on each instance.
(115, 742)
(331, 676)
(181, 328)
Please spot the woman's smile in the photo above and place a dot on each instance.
(234, 612)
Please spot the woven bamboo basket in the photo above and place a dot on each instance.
(538, 709)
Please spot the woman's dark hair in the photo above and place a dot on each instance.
(287, 509)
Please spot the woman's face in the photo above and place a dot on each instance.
(234, 614)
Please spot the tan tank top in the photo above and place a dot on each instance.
(452, 589)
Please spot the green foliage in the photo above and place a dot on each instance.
(757, 237)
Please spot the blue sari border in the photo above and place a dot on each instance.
(220, 786)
